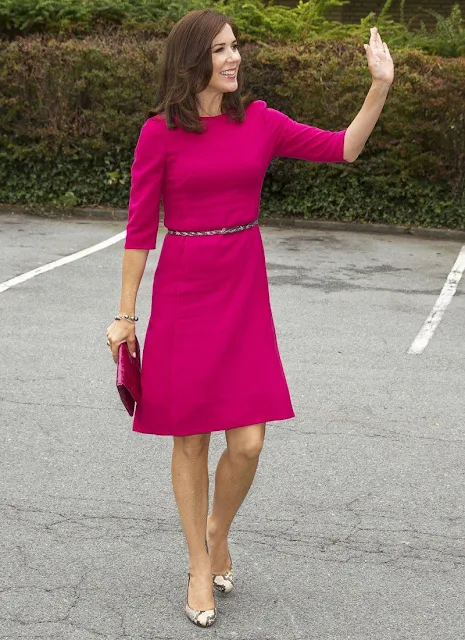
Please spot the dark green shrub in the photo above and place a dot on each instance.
(413, 167)
(254, 17)
(69, 116)
(71, 111)
(448, 38)
(257, 19)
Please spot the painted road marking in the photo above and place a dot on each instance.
(432, 321)
(58, 263)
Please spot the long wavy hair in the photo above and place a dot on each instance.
(185, 69)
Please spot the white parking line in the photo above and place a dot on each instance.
(432, 321)
(57, 263)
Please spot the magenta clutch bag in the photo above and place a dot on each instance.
(128, 376)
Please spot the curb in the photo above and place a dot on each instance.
(456, 235)
(104, 214)
(65, 213)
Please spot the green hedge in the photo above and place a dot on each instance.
(260, 19)
(256, 17)
(70, 114)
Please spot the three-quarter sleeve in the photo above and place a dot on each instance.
(147, 174)
(293, 139)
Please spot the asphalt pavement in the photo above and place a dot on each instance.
(355, 526)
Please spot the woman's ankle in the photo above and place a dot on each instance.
(199, 567)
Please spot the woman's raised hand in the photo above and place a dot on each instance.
(121, 331)
(379, 59)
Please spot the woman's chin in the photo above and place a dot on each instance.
(232, 87)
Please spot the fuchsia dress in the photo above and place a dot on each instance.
(210, 360)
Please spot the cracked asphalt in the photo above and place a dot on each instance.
(355, 526)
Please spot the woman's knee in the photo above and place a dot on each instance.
(251, 450)
(248, 444)
(194, 446)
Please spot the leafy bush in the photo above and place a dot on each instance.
(254, 17)
(448, 38)
(413, 167)
(70, 117)
(258, 19)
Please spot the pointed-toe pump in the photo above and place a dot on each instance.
(200, 618)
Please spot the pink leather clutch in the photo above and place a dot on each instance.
(128, 376)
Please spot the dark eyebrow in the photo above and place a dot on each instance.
(221, 44)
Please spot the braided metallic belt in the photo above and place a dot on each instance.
(215, 232)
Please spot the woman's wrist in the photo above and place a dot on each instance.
(381, 86)
(127, 317)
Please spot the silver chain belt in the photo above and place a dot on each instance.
(241, 227)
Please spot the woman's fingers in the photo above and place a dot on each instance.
(377, 48)
(369, 53)
(375, 40)
(114, 351)
(113, 346)
(118, 333)
(132, 346)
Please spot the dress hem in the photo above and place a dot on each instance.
(154, 433)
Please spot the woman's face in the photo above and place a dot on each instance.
(225, 58)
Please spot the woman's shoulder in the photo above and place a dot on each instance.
(155, 124)
(256, 106)
(156, 119)
(262, 108)
(266, 114)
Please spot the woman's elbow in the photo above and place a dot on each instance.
(351, 155)
(352, 148)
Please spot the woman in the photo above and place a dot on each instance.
(211, 360)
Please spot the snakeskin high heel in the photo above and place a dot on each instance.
(224, 582)
(200, 618)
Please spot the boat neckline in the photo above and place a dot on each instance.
(213, 117)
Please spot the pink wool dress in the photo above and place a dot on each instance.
(211, 360)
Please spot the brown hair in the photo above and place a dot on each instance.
(186, 68)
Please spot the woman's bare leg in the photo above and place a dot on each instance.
(233, 479)
(190, 484)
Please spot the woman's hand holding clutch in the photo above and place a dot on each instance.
(121, 331)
